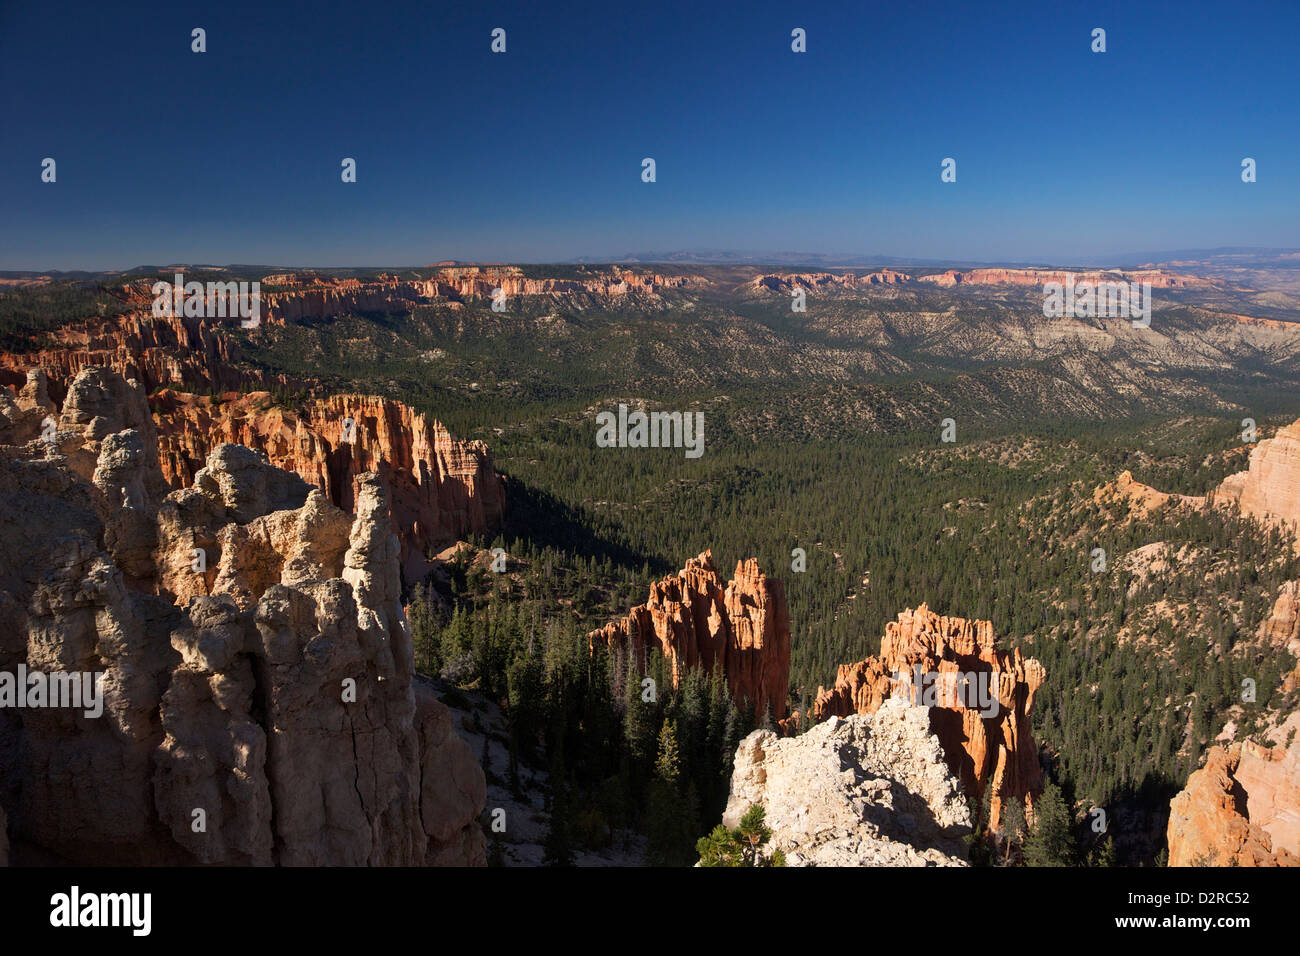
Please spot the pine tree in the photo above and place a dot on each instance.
(1050, 841)
(741, 846)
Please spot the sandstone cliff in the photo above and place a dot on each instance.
(864, 791)
(259, 705)
(741, 629)
(157, 352)
(1269, 488)
(986, 750)
(1242, 808)
(1281, 629)
(441, 489)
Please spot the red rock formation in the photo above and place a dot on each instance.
(229, 700)
(1241, 809)
(440, 488)
(996, 750)
(742, 629)
(1158, 278)
(157, 352)
(1142, 499)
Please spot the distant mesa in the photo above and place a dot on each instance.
(1158, 278)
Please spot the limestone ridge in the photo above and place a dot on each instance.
(740, 629)
(225, 690)
(871, 790)
(986, 752)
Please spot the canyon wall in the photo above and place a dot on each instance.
(258, 696)
(992, 752)
(1242, 808)
(157, 352)
(440, 488)
(741, 629)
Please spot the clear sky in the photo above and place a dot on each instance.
(233, 155)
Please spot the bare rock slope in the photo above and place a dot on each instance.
(859, 791)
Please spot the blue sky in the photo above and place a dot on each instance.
(535, 155)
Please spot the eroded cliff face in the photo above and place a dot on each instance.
(259, 703)
(864, 791)
(1242, 808)
(988, 748)
(741, 628)
(157, 352)
(1269, 488)
(440, 488)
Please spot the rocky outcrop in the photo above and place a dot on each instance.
(863, 791)
(1242, 808)
(1269, 488)
(1141, 499)
(741, 629)
(988, 742)
(262, 712)
(441, 488)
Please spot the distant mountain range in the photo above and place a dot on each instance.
(1239, 257)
